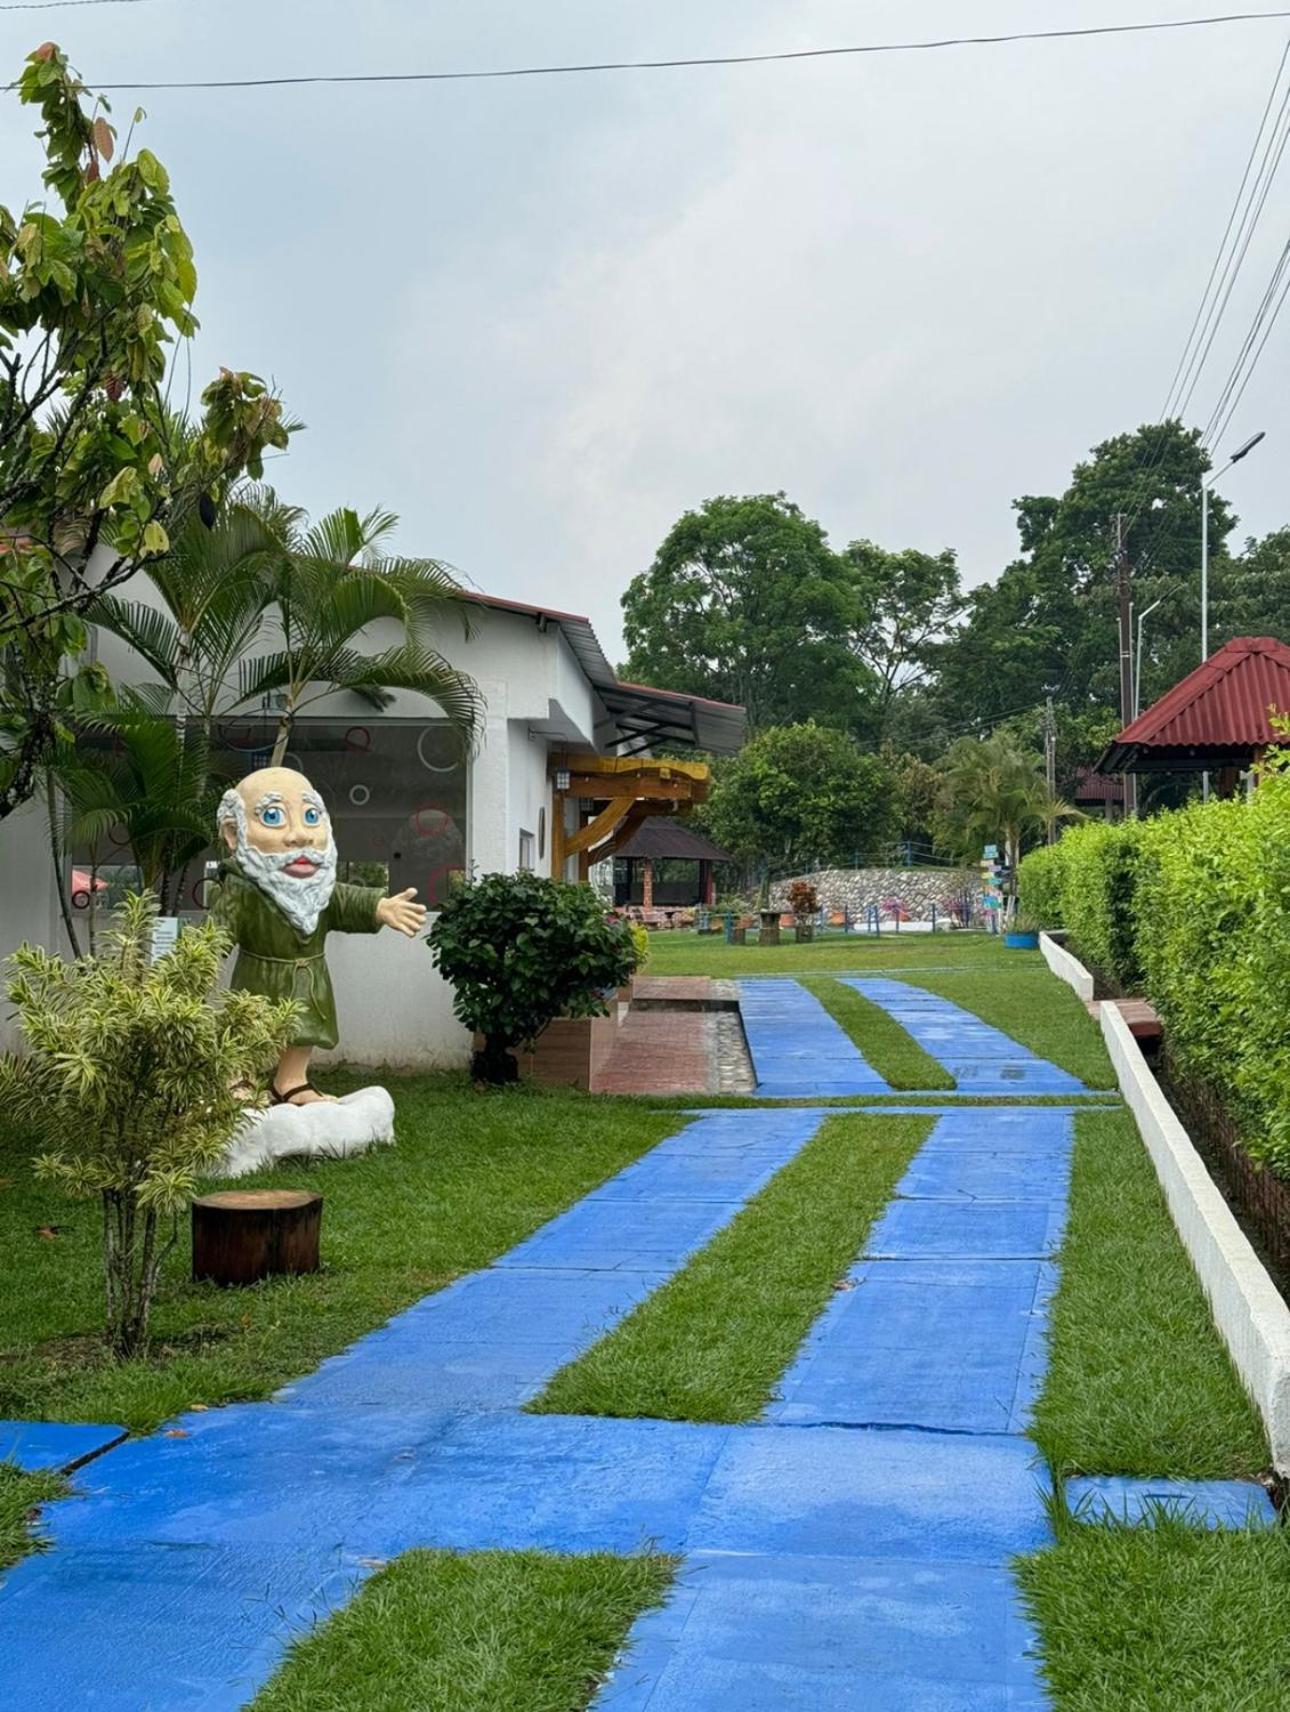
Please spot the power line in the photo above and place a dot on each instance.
(60, 5)
(706, 60)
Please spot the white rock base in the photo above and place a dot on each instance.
(324, 1129)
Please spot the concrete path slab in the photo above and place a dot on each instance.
(55, 1447)
(981, 1059)
(1201, 1503)
(797, 1048)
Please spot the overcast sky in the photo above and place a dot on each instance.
(539, 319)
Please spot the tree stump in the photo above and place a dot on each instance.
(243, 1235)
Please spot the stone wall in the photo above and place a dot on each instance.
(857, 889)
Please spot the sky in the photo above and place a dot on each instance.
(541, 318)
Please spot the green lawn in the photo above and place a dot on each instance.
(1163, 1619)
(469, 1177)
(1138, 1380)
(712, 1343)
(19, 1495)
(890, 1049)
(687, 953)
(472, 1632)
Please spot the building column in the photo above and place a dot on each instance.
(707, 885)
(647, 882)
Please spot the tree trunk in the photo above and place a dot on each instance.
(243, 1235)
(282, 739)
(496, 1064)
(56, 857)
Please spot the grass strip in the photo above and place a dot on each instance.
(471, 1632)
(1163, 1618)
(886, 1044)
(20, 1493)
(1138, 1380)
(470, 1176)
(1034, 1008)
(680, 952)
(713, 1342)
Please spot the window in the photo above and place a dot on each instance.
(527, 846)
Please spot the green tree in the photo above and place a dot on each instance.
(800, 795)
(1250, 593)
(993, 793)
(128, 1079)
(904, 605)
(96, 283)
(268, 604)
(746, 602)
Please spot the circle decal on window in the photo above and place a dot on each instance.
(360, 795)
(358, 739)
(430, 766)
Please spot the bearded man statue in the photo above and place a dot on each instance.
(278, 897)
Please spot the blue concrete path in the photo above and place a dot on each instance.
(55, 1447)
(981, 1059)
(797, 1049)
(849, 1551)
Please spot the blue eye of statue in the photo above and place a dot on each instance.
(271, 815)
(313, 816)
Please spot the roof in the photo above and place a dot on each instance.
(642, 715)
(1098, 787)
(1220, 712)
(664, 835)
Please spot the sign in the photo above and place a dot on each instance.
(165, 935)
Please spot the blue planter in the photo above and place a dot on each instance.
(1021, 941)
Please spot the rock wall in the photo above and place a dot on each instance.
(857, 889)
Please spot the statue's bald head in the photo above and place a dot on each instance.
(274, 808)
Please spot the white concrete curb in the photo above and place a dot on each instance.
(1248, 1309)
(1066, 968)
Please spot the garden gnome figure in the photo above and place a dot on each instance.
(278, 897)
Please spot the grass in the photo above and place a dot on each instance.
(471, 1175)
(712, 1343)
(889, 1048)
(19, 1495)
(1138, 1381)
(1031, 1006)
(1163, 1618)
(686, 953)
(448, 1632)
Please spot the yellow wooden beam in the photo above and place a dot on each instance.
(588, 836)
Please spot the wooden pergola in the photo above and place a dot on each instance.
(614, 796)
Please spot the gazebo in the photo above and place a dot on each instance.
(665, 864)
(1217, 720)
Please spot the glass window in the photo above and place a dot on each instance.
(527, 846)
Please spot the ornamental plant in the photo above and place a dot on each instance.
(128, 1080)
(519, 951)
(803, 900)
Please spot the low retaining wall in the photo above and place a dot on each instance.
(1066, 968)
(859, 889)
(1248, 1310)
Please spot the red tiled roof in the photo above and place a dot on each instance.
(1226, 703)
(1097, 787)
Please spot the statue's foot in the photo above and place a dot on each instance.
(303, 1094)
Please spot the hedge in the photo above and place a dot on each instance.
(1192, 908)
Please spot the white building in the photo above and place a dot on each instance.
(406, 805)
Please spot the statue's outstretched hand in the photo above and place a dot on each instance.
(401, 913)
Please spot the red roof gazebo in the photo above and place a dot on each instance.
(1218, 719)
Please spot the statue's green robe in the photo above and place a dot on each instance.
(276, 959)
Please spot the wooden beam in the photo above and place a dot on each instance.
(602, 826)
(658, 790)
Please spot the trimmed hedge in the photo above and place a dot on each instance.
(1193, 909)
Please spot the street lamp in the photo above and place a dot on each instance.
(1206, 483)
(1137, 654)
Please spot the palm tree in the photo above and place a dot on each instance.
(265, 578)
(995, 793)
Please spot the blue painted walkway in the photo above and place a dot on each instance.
(850, 1551)
(797, 1049)
(981, 1059)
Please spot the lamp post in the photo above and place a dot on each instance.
(1137, 656)
(1206, 484)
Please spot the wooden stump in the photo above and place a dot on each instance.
(243, 1235)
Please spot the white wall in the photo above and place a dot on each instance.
(28, 901)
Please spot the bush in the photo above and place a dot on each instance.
(803, 900)
(128, 1080)
(1099, 871)
(520, 951)
(1040, 879)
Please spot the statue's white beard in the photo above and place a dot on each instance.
(301, 901)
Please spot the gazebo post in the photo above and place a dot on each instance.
(707, 890)
(647, 882)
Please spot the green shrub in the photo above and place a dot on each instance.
(1040, 881)
(520, 951)
(1099, 874)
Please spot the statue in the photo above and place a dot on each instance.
(278, 897)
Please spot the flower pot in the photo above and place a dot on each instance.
(805, 931)
(1019, 940)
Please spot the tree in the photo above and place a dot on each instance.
(1048, 626)
(1250, 594)
(128, 1079)
(521, 950)
(745, 602)
(94, 477)
(904, 606)
(800, 795)
(994, 793)
(265, 578)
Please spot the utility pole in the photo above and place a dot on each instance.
(1126, 654)
(1050, 761)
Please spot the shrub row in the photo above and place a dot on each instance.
(1193, 909)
